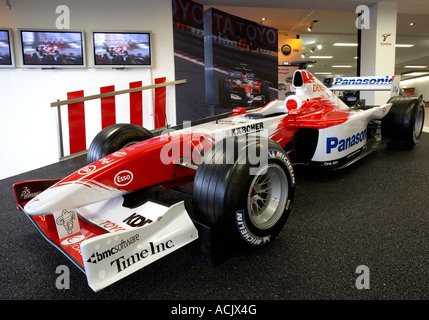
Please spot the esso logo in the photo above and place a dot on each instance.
(123, 178)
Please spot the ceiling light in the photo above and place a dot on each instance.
(404, 45)
(262, 19)
(345, 44)
(322, 72)
(414, 74)
(339, 66)
(412, 24)
(310, 27)
(319, 46)
(321, 57)
(412, 81)
(415, 67)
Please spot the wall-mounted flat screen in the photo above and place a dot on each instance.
(122, 49)
(6, 49)
(56, 48)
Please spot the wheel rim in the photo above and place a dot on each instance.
(418, 125)
(267, 196)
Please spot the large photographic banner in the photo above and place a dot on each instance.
(188, 33)
(241, 60)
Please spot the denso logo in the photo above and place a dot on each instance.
(318, 88)
(123, 178)
(344, 144)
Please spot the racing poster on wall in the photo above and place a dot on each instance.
(188, 33)
(241, 60)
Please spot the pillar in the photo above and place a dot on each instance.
(378, 48)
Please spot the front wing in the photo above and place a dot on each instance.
(112, 241)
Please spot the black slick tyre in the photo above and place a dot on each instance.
(405, 120)
(225, 90)
(245, 204)
(265, 91)
(114, 138)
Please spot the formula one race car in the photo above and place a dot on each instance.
(240, 167)
(241, 88)
(48, 52)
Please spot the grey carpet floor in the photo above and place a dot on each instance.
(374, 213)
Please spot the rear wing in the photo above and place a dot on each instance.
(377, 83)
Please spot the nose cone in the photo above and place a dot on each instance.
(70, 195)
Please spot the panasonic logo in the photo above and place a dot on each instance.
(363, 81)
(333, 143)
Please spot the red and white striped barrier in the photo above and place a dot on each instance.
(79, 122)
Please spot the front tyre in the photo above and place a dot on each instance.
(243, 203)
(114, 138)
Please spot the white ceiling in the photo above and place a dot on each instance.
(336, 23)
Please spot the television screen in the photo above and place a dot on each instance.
(52, 48)
(6, 53)
(131, 49)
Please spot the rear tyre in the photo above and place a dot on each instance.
(225, 90)
(114, 138)
(265, 91)
(405, 120)
(244, 204)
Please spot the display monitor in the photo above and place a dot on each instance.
(6, 49)
(52, 48)
(129, 49)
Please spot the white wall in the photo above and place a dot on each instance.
(28, 126)
(420, 84)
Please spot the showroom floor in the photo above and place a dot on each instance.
(373, 214)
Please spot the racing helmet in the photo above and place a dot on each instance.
(292, 102)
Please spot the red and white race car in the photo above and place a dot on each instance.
(241, 167)
(242, 88)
